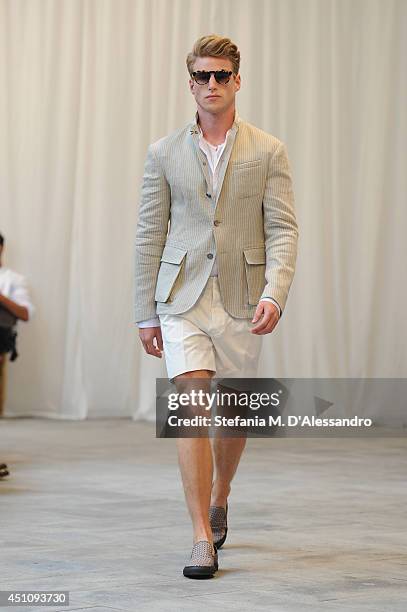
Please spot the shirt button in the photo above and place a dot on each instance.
(210, 255)
(216, 222)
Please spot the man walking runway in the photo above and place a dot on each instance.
(215, 255)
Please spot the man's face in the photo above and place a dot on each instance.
(213, 97)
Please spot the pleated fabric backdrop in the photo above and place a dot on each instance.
(87, 84)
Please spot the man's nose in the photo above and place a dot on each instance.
(212, 82)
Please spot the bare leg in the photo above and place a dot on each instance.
(227, 453)
(196, 465)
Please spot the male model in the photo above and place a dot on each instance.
(215, 254)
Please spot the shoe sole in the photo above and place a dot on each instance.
(199, 571)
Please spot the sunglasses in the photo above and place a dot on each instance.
(202, 77)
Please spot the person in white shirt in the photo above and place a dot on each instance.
(15, 304)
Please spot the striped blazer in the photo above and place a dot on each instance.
(251, 227)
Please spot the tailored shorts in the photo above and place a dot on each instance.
(206, 337)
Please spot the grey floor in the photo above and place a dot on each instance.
(97, 508)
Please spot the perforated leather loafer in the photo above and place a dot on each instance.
(218, 518)
(203, 562)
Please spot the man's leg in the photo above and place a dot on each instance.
(237, 353)
(227, 453)
(196, 464)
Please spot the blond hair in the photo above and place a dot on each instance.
(214, 46)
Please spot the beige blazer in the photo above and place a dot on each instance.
(251, 227)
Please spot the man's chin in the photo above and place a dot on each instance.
(213, 108)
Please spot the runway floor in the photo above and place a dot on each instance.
(97, 508)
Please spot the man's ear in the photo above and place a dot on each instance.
(191, 84)
(237, 82)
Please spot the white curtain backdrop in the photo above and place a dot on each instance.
(86, 85)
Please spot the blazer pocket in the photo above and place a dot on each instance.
(247, 164)
(255, 266)
(172, 261)
(248, 179)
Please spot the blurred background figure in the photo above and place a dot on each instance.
(15, 304)
(3, 470)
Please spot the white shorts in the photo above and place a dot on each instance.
(206, 337)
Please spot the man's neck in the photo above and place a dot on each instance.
(215, 127)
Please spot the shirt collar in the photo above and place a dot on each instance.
(196, 128)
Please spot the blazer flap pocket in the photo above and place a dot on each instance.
(255, 256)
(173, 254)
(247, 164)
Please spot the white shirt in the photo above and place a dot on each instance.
(14, 287)
(213, 154)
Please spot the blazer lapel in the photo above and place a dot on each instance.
(200, 157)
(224, 166)
(203, 162)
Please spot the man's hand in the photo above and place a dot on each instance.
(152, 340)
(268, 314)
(20, 312)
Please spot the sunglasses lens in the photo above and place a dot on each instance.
(222, 77)
(202, 77)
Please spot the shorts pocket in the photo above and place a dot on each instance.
(255, 267)
(172, 261)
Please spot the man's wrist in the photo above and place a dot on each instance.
(155, 322)
(276, 304)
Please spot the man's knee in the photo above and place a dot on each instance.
(194, 381)
(195, 374)
(191, 383)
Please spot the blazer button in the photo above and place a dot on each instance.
(216, 222)
(208, 195)
(210, 255)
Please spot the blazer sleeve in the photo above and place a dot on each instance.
(280, 228)
(151, 234)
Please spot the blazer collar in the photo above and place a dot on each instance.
(195, 128)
